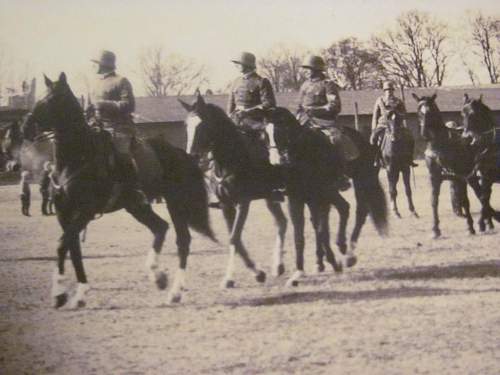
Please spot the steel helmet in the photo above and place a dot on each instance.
(314, 62)
(246, 59)
(106, 59)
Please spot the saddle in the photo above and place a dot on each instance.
(337, 136)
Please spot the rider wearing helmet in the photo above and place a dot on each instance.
(319, 106)
(385, 104)
(112, 105)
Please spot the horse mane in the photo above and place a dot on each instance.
(483, 109)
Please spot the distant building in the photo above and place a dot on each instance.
(164, 115)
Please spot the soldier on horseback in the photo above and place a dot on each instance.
(319, 106)
(251, 97)
(384, 105)
(112, 105)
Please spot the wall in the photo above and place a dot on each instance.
(173, 132)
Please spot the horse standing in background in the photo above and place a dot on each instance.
(311, 180)
(85, 165)
(447, 158)
(396, 153)
(480, 127)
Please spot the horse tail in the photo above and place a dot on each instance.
(184, 188)
(368, 189)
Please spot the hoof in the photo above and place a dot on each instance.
(292, 283)
(174, 298)
(337, 267)
(415, 215)
(261, 277)
(320, 268)
(60, 300)
(351, 261)
(436, 235)
(280, 270)
(75, 305)
(161, 280)
(228, 284)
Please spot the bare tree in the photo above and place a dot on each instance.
(281, 66)
(170, 74)
(353, 65)
(484, 40)
(414, 53)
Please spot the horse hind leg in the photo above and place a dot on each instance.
(278, 268)
(146, 216)
(296, 210)
(183, 242)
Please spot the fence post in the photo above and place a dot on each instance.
(356, 116)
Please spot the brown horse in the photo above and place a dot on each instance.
(86, 188)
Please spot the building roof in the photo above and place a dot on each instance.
(449, 99)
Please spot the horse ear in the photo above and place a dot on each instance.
(48, 82)
(434, 96)
(466, 98)
(200, 102)
(186, 106)
(415, 96)
(62, 78)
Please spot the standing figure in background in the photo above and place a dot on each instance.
(25, 193)
(45, 189)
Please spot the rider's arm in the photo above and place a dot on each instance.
(125, 105)
(231, 105)
(333, 105)
(267, 98)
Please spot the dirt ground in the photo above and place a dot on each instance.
(412, 305)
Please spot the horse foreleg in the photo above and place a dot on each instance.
(280, 221)
(465, 204)
(406, 180)
(146, 216)
(436, 181)
(59, 289)
(393, 177)
(296, 210)
(343, 208)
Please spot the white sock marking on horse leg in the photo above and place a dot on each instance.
(58, 286)
(297, 275)
(230, 265)
(78, 299)
(175, 293)
(277, 255)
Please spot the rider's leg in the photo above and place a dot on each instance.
(339, 160)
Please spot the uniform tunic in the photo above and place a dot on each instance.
(382, 108)
(320, 100)
(250, 91)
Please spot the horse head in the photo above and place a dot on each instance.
(395, 125)
(280, 130)
(204, 125)
(58, 108)
(477, 118)
(429, 115)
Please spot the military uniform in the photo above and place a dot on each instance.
(113, 103)
(251, 96)
(383, 106)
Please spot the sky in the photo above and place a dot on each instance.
(63, 35)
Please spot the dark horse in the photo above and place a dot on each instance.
(84, 189)
(397, 159)
(447, 158)
(480, 127)
(311, 181)
(240, 181)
